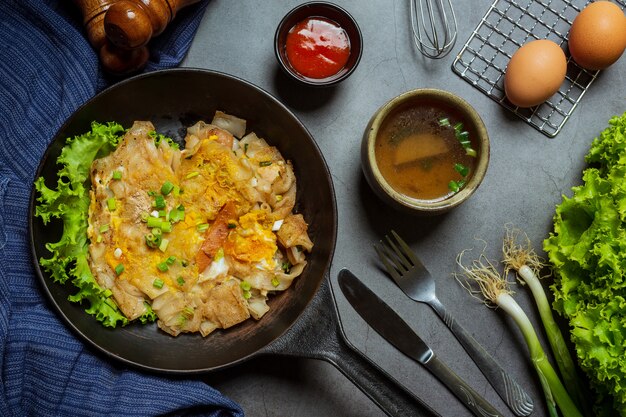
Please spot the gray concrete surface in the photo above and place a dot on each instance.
(527, 175)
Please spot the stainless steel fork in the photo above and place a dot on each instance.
(414, 279)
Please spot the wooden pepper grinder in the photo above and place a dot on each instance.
(120, 29)
(130, 24)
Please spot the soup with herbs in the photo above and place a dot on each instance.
(426, 151)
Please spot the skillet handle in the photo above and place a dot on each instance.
(318, 334)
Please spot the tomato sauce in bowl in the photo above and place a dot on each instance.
(318, 44)
(317, 47)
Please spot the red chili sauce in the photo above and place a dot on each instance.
(317, 47)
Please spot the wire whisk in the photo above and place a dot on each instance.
(434, 27)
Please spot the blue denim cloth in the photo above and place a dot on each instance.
(47, 70)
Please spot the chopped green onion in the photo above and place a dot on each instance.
(471, 152)
(150, 240)
(119, 269)
(107, 293)
(461, 169)
(286, 266)
(167, 188)
(176, 191)
(192, 174)
(117, 175)
(458, 127)
(454, 186)
(444, 122)
(157, 283)
(166, 227)
(463, 136)
(159, 202)
(99, 239)
(163, 245)
(111, 204)
(245, 285)
(180, 281)
(231, 225)
(162, 213)
(104, 228)
(245, 149)
(154, 222)
(265, 163)
(145, 216)
(275, 282)
(157, 231)
(151, 193)
(170, 260)
(202, 227)
(163, 266)
(184, 263)
(177, 215)
(188, 311)
(219, 254)
(247, 294)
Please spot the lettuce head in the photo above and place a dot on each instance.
(587, 250)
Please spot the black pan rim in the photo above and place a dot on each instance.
(31, 217)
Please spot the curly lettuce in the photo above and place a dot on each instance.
(69, 202)
(588, 252)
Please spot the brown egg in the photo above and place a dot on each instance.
(535, 72)
(597, 37)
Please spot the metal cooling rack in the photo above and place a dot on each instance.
(507, 25)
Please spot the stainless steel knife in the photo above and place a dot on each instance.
(397, 332)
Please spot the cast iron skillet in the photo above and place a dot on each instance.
(302, 321)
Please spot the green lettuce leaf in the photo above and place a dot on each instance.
(588, 252)
(69, 202)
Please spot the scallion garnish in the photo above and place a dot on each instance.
(119, 269)
(117, 175)
(180, 281)
(170, 260)
(461, 169)
(245, 285)
(167, 188)
(192, 174)
(202, 227)
(247, 294)
(111, 204)
(157, 283)
(231, 225)
(166, 227)
(154, 222)
(275, 282)
(163, 245)
(265, 163)
(444, 122)
(163, 267)
(104, 228)
(159, 202)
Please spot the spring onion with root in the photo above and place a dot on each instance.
(483, 281)
(520, 256)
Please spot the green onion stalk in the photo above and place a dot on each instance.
(520, 256)
(494, 290)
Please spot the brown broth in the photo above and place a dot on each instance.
(417, 156)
